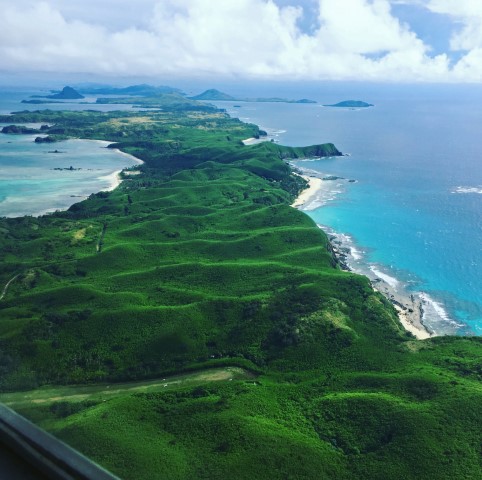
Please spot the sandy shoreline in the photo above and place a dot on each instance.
(114, 178)
(408, 306)
(315, 184)
(254, 141)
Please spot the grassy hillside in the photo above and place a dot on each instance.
(199, 262)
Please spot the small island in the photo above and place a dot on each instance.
(332, 177)
(351, 104)
(70, 169)
(67, 93)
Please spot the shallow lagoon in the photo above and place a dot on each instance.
(34, 180)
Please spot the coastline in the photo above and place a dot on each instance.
(62, 201)
(115, 178)
(408, 306)
(315, 185)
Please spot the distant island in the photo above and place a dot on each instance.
(148, 96)
(67, 93)
(351, 104)
(216, 95)
(142, 90)
(38, 101)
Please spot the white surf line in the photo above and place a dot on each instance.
(393, 282)
(5, 288)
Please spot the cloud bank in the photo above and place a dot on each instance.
(350, 40)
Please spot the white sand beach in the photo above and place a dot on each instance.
(314, 186)
(114, 179)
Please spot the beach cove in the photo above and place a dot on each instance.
(38, 179)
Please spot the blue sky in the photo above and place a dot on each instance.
(367, 40)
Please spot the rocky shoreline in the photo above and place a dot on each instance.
(408, 305)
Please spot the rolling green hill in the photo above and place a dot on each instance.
(199, 262)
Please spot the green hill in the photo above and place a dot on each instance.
(199, 262)
(213, 94)
(67, 93)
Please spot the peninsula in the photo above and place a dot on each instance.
(193, 324)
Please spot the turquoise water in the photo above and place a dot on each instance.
(415, 211)
(30, 185)
(30, 180)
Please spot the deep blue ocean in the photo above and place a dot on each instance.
(415, 210)
(413, 214)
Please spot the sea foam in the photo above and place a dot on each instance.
(436, 315)
(462, 189)
(392, 281)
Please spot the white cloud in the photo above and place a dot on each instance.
(359, 26)
(469, 14)
(467, 36)
(355, 39)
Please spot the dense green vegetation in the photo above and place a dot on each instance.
(199, 262)
(213, 94)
